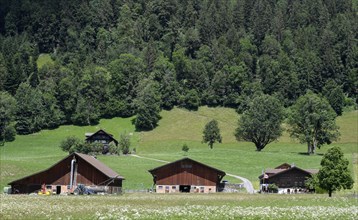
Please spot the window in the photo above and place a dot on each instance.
(160, 187)
(187, 166)
(174, 187)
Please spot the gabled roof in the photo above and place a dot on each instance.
(89, 159)
(90, 135)
(187, 159)
(274, 172)
(283, 166)
(100, 166)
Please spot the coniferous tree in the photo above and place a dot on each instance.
(29, 112)
(7, 113)
(147, 105)
(335, 96)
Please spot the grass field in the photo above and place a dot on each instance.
(179, 206)
(32, 153)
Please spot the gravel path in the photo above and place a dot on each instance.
(247, 183)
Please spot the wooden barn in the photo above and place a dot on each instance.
(186, 175)
(67, 174)
(101, 137)
(286, 176)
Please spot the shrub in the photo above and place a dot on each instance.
(69, 143)
(125, 143)
(113, 149)
(272, 188)
(185, 148)
(10, 133)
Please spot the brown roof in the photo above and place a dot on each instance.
(284, 166)
(89, 159)
(312, 171)
(100, 166)
(274, 172)
(267, 171)
(186, 158)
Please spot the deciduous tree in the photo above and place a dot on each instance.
(211, 133)
(334, 174)
(312, 121)
(261, 122)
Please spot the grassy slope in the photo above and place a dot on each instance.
(31, 153)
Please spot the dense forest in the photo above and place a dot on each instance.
(136, 57)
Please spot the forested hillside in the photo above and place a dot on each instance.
(134, 57)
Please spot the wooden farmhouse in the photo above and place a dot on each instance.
(67, 174)
(186, 175)
(101, 137)
(286, 177)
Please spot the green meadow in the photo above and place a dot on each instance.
(179, 206)
(36, 152)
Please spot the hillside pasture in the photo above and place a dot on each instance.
(35, 152)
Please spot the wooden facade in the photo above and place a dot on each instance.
(186, 175)
(86, 170)
(287, 176)
(101, 137)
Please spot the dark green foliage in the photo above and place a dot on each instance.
(312, 183)
(211, 133)
(29, 112)
(10, 133)
(312, 121)
(7, 116)
(200, 52)
(334, 174)
(191, 100)
(69, 142)
(335, 96)
(73, 144)
(125, 72)
(185, 148)
(86, 112)
(261, 122)
(147, 105)
(272, 188)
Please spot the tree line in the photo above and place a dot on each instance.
(136, 57)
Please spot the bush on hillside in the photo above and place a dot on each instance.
(73, 144)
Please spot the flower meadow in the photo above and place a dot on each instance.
(179, 206)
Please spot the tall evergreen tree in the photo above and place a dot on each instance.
(147, 105)
(7, 113)
(29, 112)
